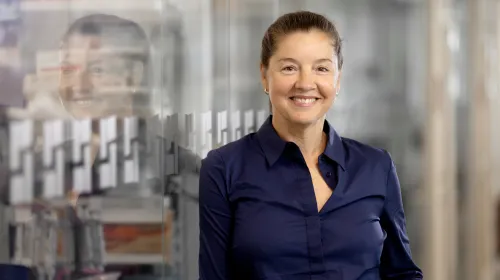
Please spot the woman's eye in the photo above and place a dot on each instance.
(323, 69)
(288, 68)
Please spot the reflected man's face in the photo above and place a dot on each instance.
(96, 80)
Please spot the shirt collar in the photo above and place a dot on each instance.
(273, 146)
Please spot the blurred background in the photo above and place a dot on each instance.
(107, 107)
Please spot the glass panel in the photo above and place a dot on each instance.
(249, 105)
(91, 187)
(189, 119)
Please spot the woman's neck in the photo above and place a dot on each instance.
(309, 138)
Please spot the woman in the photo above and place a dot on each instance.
(295, 200)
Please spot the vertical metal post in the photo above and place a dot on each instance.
(495, 122)
(439, 186)
(479, 199)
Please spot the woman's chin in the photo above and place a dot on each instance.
(305, 118)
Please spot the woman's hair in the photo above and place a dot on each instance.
(294, 22)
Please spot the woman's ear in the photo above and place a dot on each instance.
(337, 82)
(263, 78)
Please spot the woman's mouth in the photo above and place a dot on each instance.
(303, 101)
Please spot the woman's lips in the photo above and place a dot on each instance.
(304, 101)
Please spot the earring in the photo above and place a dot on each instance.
(266, 91)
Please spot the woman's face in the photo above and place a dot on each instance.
(303, 77)
(96, 80)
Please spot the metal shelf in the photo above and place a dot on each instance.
(134, 259)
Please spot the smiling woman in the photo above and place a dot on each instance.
(295, 200)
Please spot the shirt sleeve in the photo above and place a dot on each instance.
(396, 260)
(215, 219)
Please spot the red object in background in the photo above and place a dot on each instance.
(136, 239)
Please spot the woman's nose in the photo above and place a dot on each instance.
(305, 81)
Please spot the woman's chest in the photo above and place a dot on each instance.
(278, 220)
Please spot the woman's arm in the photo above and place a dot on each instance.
(396, 261)
(215, 219)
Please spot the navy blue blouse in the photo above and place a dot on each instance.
(259, 217)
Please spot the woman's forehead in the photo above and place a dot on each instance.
(302, 45)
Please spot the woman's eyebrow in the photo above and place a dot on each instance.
(289, 59)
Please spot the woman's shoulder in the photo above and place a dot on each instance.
(230, 162)
(358, 150)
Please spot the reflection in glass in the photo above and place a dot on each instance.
(87, 187)
(104, 59)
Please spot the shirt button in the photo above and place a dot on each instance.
(328, 174)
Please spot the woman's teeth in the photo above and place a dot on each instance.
(304, 101)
